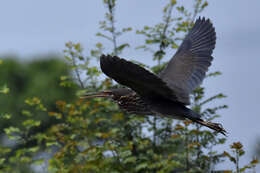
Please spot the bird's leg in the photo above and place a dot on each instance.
(215, 126)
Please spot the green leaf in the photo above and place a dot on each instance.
(130, 160)
(213, 74)
(48, 144)
(205, 4)
(121, 47)
(181, 9)
(33, 149)
(173, 2)
(11, 129)
(4, 89)
(6, 116)
(26, 113)
(78, 47)
(174, 45)
(127, 29)
(68, 58)
(99, 45)
(141, 166)
(125, 153)
(244, 168)
(38, 162)
(2, 161)
(31, 123)
(104, 36)
(64, 77)
(69, 45)
(148, 41)
(25, 159)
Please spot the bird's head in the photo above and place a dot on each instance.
(114, 94)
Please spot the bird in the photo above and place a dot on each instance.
(166, 94)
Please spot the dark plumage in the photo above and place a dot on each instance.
(168, 93)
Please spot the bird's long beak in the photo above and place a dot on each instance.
(96, 94)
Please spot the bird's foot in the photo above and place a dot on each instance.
(215, 126)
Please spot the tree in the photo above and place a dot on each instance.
(29, 80)
(33, 81)
(95, 136)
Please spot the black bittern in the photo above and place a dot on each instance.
(166, 94)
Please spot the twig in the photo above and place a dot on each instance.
(112, 22)
(76, 70)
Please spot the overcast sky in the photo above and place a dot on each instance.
(30, 27)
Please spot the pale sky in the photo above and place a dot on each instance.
(31, 27)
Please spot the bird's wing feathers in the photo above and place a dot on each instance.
(137, 78)
(187, 68)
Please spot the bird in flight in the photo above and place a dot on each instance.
(167, 93)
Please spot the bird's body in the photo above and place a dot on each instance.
(130, 102)
(168, 93)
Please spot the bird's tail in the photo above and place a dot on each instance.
(214, 126)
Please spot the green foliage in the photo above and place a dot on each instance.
(25, 82)
(237, 152)
(110, 32)
(94, 135)
(3, 89)
(23, 115)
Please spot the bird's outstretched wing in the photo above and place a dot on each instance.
(186, 70)
(135, 77)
